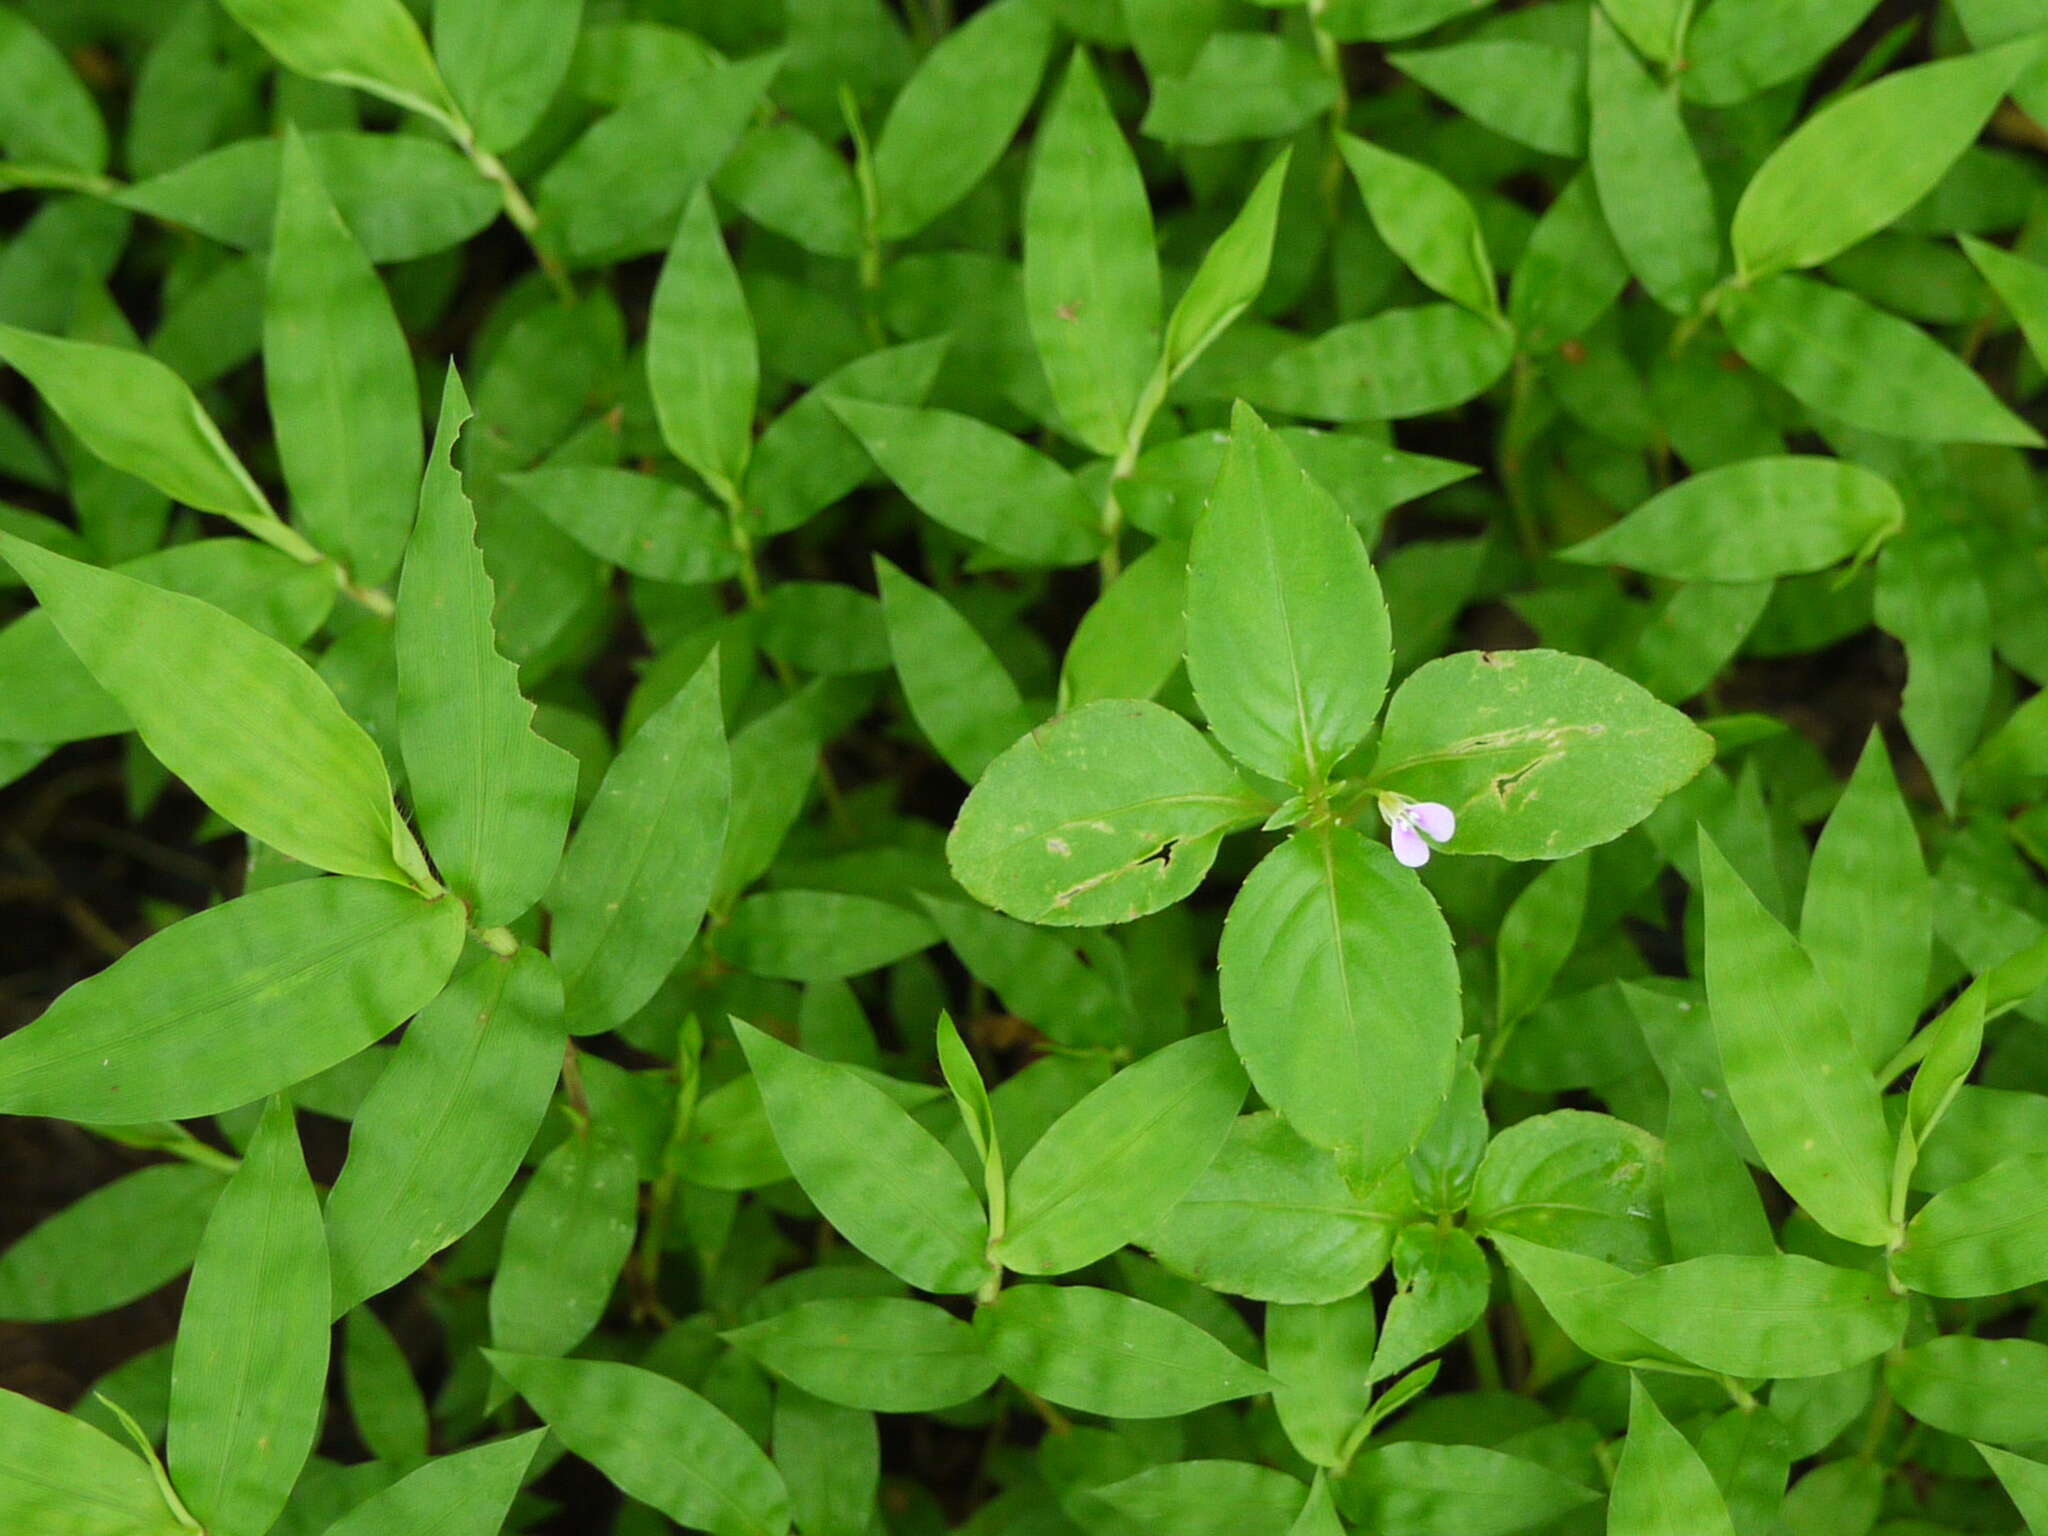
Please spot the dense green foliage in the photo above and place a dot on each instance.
(1055, 768)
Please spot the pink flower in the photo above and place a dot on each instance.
(1413, 821)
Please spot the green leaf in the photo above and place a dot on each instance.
(978, 481)
(958, 692)
(1741, 48)
(807, 459)
(233, 1003)
(1322, 1355)
(1288, 642)
(656, 1440)
(48, 115)
(242, 720)
(956, 115)
(1865, 158)
(1577, 1291)
(1204, 1498)
(1570, 273)
(1652, 185)
(831, 1458)
(467, 1494)
(703, 365)
(1775, 1315)
(1231, 276)
(641, 523)
(1751, 521)
(372, 45)
(1931, 597)
(1417, 1489)
(786, 179)
(1396, 364)
(493, 797)
(1803, 1089)
(1983, 1237)
(1118, 1161)
(1845, 358)
(1099, 816)
(1570, 1179)
(1981, 1389)
(1428, 222)
(1537, 936)
(385, 1402)
(1868, 917)
(1341, 993)
(1091, 264)
(598, 204)
(1539, 754)
(2021, 286)
(442, 1131)
(1318, 1516)
(637, 877)
(1242, 85)
(881, 1353)
(250, 1373)
(339, 379)
(877, 1175)
(1272, 1218)
(61, 1475)
(821, 935)
(110, 1247)
(133, 412)
(1661, 1487)
(1531, 91)
(2025, 1483)
(1130, 643)
(403, 196)
(1444, 1283)
(504, 61)
(1103, 1352)
(566, 1242)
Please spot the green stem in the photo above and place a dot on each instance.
(518, 208)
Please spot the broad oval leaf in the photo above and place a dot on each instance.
(1538, 753)
(1120, 1159)
(1569, 1179)
(1103, 1352)
(657, 1441)
(1763, 1315)
(876, 1174)
(1288, 640)
(1982, 1389)
(1751, 521)
(1804, 1092)
(882, 1353)
(1341, 994)
(1272, 1218)
(1098, 816)
(233, 1003)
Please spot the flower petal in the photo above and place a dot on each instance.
(1437, 820)
(1409, 847)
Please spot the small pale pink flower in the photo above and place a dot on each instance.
(1414, 824)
